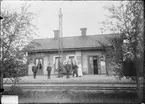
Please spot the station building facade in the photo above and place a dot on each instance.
(85, 49)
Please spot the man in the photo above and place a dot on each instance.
(75, 69)
(49, 68)
(67, 68)
(60, 70)
(34, 70)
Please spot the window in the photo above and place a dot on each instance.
(71, 59)
(56, 62)
(38, 62)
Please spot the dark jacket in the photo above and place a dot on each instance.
(74, 67)
(49, 68)
(67, 67)
(34, 69)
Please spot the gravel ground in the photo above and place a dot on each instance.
(84, 79)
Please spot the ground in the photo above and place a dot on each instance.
(84, 79)
(78, 97)
(86, 89)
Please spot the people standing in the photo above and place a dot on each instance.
(60, 71)
(75, 69)
(49, 68)
(39, 67)
(67, 68)
(34, 70)
(80, 73)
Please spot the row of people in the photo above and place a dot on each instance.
(74, 69)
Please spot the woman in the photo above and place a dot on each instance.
(80, 74)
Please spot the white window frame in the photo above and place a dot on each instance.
(67, 57)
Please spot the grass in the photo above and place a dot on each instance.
(78, 97)
(103, 97)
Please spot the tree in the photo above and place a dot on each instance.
(114, 56)
(127, 20)
(17, 30)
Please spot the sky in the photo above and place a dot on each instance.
(76, 15)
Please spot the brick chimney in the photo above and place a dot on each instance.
(83, 31)
(56, 34)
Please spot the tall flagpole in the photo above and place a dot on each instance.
(61, 34)
(60, 39)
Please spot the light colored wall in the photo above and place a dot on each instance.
(80, 56)
(45, 63)
(55, 54)
(85, 55)
(44, 56)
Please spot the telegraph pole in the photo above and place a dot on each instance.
(61, 34)
(60, 51)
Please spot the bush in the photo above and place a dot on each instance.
(14, 68)
(22, 70)
(15, 73)
(14, 90)
(129, 68)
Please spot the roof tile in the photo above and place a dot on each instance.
(71, 42)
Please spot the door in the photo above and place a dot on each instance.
(90, 65)
(95, 64)
(71, 60)
(39, 64)
(56, 65)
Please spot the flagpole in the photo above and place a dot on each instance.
(60, 41)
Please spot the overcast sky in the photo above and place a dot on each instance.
(76, 15)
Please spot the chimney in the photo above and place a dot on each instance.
(83, 31)
(56, 34)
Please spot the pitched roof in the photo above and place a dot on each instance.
(75, 42)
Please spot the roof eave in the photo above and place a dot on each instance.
(66, 49)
